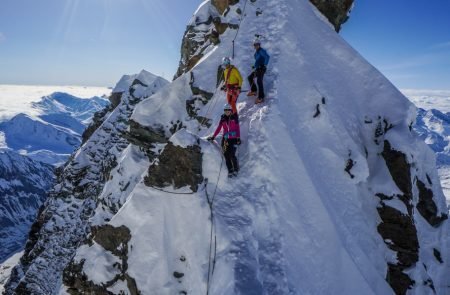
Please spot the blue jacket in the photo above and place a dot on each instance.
(261, 58)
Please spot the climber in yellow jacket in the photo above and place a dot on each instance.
(233, 83)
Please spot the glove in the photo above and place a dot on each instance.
(223, 88)
(238, 141)
(211, 138)
(238, 88)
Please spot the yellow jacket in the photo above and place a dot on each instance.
(234, 77)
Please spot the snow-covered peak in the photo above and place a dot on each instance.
(335, 194)
(144, 77)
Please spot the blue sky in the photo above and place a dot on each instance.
(95, 42)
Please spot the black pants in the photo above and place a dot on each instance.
(259, 74)
(229, 151)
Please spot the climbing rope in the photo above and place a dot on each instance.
(212, 256)
(173, 193)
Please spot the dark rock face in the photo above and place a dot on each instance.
(199, 95)
(336, 11)
(201, 33)
(397, 229)
(145, 136)
(399, 168)
(426, 206)
(399, 281)
(178, 167)
(114, 240)
(401, 233)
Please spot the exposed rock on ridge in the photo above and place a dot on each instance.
(337, 11)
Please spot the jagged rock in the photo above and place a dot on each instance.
(112, 238)
(399, 168)
(399, 229)
(145, 136)
(177, 166)
(336, 11)
(437, 255)
(115, 99)
(426, 206)
(399, 281)
(201, 33)
(97, 121)
(178, 275)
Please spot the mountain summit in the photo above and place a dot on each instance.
(336, 193)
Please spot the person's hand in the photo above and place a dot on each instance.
(223, 88)
(238, 141)
(211, 138)
(238, 88)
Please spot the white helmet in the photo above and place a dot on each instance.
(257, 41)
(227, 107)
(226, 61)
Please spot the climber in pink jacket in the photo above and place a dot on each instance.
(229, 123)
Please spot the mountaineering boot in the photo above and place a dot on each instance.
(251, 93)
(231, 174)
(235, 173)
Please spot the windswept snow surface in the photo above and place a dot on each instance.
(294, 221)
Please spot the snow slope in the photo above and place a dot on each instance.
(329, 200)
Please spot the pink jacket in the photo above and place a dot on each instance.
(230, 126)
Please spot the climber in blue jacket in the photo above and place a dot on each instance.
(259, 69)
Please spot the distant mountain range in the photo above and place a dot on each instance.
(32, 143)
(55, 133)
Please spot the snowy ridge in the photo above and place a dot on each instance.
(63, 224)
(335, 195)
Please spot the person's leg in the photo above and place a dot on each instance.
(233, 158)
(251, 82)
(260, 80)
(234, 97)
(226, 154)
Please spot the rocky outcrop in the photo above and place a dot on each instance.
(337, 11)
(177, 166)
(114, 240)
(204, 30)
(64, 222)
(427, 207)
(397, 228)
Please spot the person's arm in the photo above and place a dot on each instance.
(266, 57)
(218, 129)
